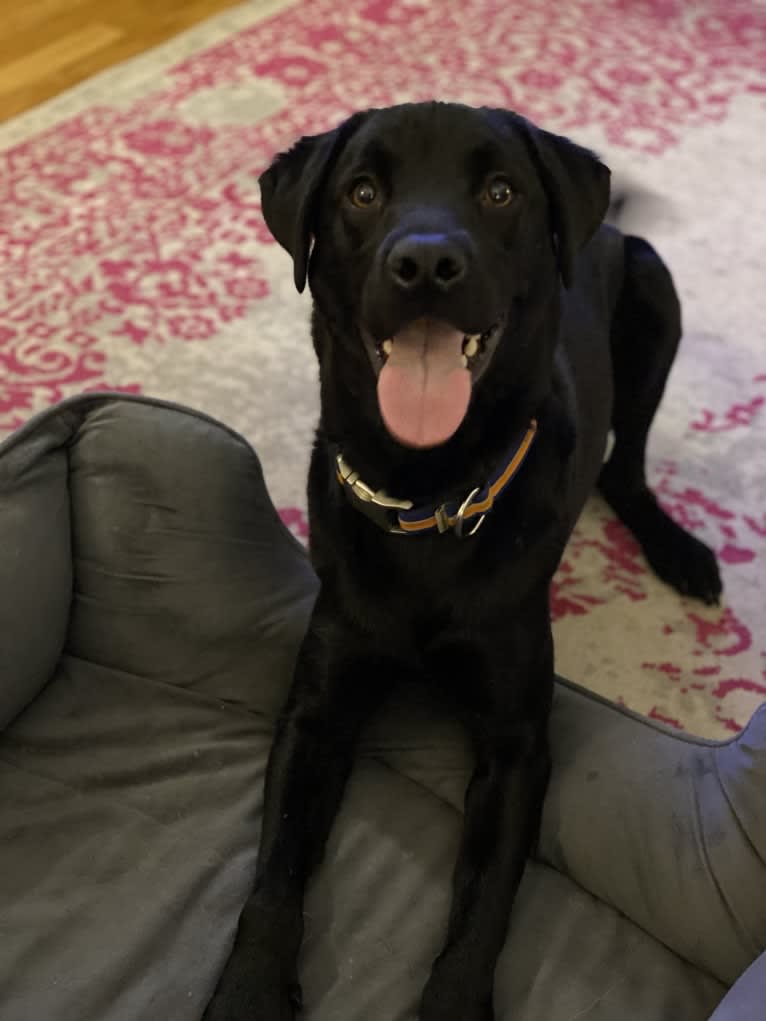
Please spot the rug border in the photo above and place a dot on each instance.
(152, 62)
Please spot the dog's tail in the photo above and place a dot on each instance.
(635, 209)
(617, 202)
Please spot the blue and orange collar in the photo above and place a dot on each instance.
(401, 517)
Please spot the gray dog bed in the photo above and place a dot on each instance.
(151, 605)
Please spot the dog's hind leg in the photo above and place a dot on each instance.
(645, 335)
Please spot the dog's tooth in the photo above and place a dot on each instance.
(388, 346)
(471, 346)
(464, 360)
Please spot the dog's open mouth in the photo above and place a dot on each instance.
(427, 371)
(473, 349)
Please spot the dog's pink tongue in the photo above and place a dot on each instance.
(423, 389)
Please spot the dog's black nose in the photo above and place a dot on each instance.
(420, 260)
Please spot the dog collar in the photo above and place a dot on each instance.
(402, 517)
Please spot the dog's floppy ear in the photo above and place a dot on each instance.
(291, 187)
(576, 183)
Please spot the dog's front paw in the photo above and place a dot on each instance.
(445, 1000)
(254, 991)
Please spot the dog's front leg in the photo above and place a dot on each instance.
(310, 762)
(502, 808)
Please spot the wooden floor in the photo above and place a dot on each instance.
(47, 46)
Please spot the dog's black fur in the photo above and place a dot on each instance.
(590, 326)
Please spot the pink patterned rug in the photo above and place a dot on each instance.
(134, 257)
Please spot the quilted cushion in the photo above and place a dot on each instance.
(151, 605)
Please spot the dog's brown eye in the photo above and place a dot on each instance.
(499, 192)
(364, 194)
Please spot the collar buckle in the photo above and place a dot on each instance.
(377, 504)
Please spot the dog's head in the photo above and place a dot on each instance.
(434, 237)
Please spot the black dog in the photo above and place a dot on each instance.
(478, 334)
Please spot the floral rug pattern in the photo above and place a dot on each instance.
(134, 257)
